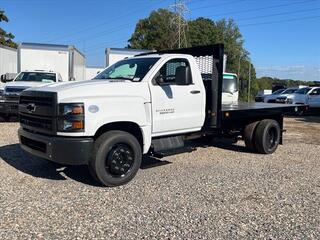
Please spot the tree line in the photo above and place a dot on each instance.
(6, 39)
(157, 32)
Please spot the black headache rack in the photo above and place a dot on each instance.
(210, 62)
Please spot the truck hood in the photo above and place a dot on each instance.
(284, 96)
(75, 91)
(26, 84)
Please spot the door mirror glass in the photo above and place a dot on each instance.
(183, 75)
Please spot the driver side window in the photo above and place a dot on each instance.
(168, 70)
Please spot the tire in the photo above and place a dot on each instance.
(248, 136)
(116, 158)
(267, 136)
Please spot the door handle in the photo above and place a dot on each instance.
(195, 92)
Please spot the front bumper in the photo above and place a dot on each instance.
(63, 150)
(9, 108)
(282, 100)
(259, 99)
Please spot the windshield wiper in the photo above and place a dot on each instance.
(120, 78)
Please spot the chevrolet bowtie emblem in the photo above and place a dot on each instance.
(31, 107)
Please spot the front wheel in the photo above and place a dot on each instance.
(116, 158)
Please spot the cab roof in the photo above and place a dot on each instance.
(40, 71)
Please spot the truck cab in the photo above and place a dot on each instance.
(148, 104)
(9, 98)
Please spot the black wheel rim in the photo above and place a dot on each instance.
(272, 138)
(119, 160)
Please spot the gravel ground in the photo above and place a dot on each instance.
(211, 193)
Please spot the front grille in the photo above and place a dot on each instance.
(38, 111)
(33, 144)
(36, 122)
(14, 107)
(259, 99)
(11, 97)
(12, 93)
(14, 89)
(38, 101)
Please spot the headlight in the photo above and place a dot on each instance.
(71, 117)
(289, 101)
(1, 93)
(67, 109)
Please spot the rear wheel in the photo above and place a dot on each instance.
(267, 136)
(116, 158)
(248, 136)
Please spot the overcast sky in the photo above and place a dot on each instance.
(282, 36)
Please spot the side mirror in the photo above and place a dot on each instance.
(7, 77)
(3, 78)
(183, 75)
(72, 79)
(159, 79)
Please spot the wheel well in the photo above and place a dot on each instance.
(129, 127)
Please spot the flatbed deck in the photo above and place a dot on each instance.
(244, 106)
(240, 112)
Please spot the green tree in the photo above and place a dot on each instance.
(154, 32)
(6, 39)
(203, 31)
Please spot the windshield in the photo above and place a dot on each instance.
(36, 77)
(129, 69)
(278, 92)
(303, 90)
(289, 91)
(230, 84)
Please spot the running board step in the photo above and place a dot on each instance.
(167, 143)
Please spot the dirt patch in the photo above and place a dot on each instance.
(304, 129)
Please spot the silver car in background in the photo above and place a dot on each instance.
(307, 95)
(282, 98)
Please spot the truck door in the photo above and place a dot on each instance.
(176, 108)
(314, 98)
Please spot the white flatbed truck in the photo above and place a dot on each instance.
(147, 104)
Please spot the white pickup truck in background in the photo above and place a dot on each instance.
(9, 96)
(148, 104)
